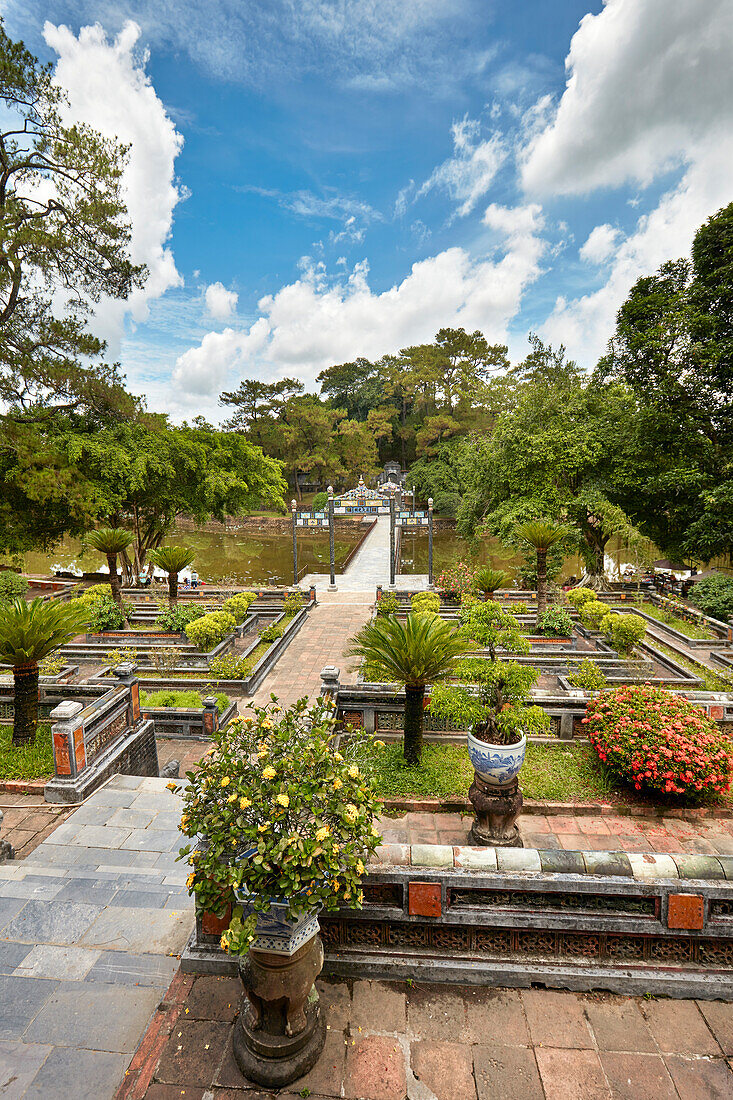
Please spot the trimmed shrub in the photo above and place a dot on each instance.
(555, 623)
(426, 602)
(210, 629)
(655, 739)
(294, 602)
(12, 587)
(96, 592)
(714, 596)
(190, 700)
(623, 631)
(588, 676)
(518, 608)
(176, 619)
(238, 605)
(272, 633)
(388, 605)
(229, 667)
(320, 502)
(579, 597)
(592, 612)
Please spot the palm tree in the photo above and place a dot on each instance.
(487, 581)
(172, 559)
(417, 652)
(28, 633)
(111, 541)
(541, 535)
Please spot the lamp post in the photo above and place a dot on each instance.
(413, 499)
(391, 541)
(430, 542)
(331, 546)
(294, 510)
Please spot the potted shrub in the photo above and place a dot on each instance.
(490, 698)
(284, 822)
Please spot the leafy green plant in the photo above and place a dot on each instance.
(456, 580)
(272, 632)
(588, 676)
(420, 651)
(190, 700)
(12, 587)
(655, 739)
(388, 605)
(28, 633)
(239, 604)
(555, 623)
(51, 665)
(294, 602)
(210, 629)
(714, 596)
(96, 592)
(229, 667)
(623, 631)
(105, 614)
(579, 597)
(175, 617)
(518, 608)
(164, 658)
(121, 656)
(491, 693)
(592, 612)
(488, 581)
(278, 788)
(426, 602)
(320, 502)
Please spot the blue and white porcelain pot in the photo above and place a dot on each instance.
(498, 765)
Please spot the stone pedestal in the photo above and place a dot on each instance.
(280, 1035)
(497, 810)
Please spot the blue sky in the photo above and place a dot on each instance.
(311, 180)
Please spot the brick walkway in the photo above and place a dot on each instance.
(320, 641)
(27, 820)
(388, 1041)
(708, 836)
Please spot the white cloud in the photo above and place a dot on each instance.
(109, 89)
(220, 302)
(645, 82)
(319, 320)
(469, 173)
(600, 244)
(650, 86)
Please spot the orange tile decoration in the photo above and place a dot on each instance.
(685, 911)
(79, 751)
(424, 899)
(135, 694)
(61, 754)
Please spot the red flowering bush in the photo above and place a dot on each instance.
(658, 740)
(457, 580)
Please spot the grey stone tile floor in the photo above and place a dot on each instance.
(91, 926)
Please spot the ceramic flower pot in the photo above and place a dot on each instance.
(498, 765)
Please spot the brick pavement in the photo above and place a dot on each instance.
(320, 641)
(708, 836)
(28, 819)
(391, 1041)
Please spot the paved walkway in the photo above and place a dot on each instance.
(388, 1041)
(369, 567)
(708, 836)
(91, 924)
(321, 641)
(27, 820)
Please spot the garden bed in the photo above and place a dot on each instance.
(32, 761)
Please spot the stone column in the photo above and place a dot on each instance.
(331, 547)
(126, 674)
(430, 542)
(294, 510)
(211, 715)
(330, 681)
(391, 542)
(69, 756)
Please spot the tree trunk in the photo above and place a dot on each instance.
(172, 589)
(414, 699)
(25, 717)
(541, 582)
(114, 580)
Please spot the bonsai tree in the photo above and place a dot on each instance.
(420, 651)
(172, 559)
(111, 541)
(488, 581)
(491, 692)
(28, 633)
(541, 535)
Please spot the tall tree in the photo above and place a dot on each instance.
(111, 541)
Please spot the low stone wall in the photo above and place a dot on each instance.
(633, 924)
(188, 722)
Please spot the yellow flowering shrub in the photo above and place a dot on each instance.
(298, 827)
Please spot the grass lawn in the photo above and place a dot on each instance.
(32, 761)
(571, 774)
(690, 630)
